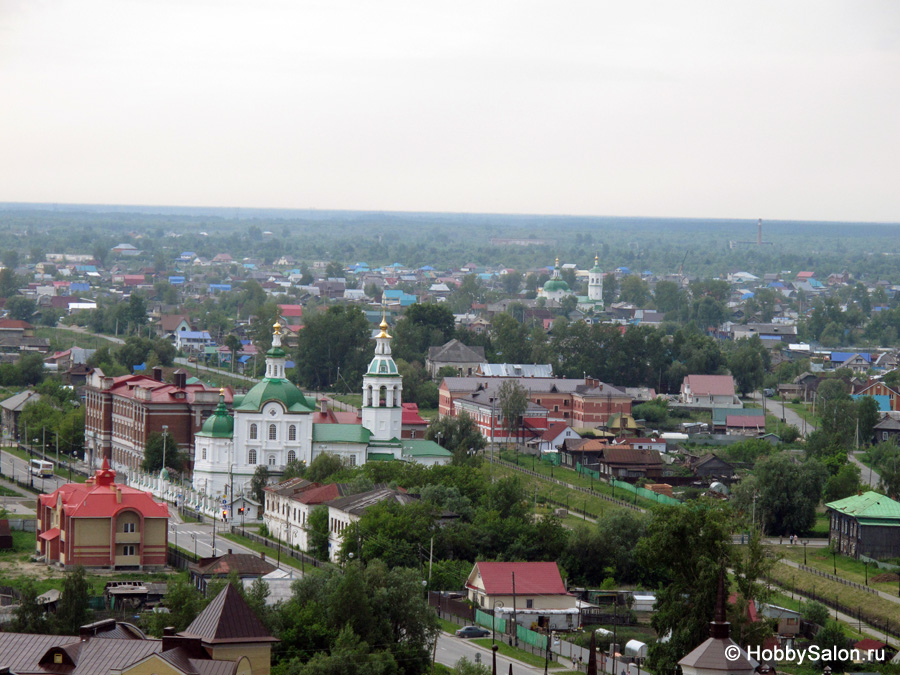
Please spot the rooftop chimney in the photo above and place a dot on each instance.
(180, 379)
(157, 373)
(323, 406)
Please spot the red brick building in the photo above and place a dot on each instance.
(101, 523)
(576, 402)
(122, 412)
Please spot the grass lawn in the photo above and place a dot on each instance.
(350, 399)
(574, 478)
(847, 568)
(448, 626)
(6, 492)
(804, 412)
(804, 582)
(513, 653)
(64, 338)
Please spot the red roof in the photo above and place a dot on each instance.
(100, 497)
(555, 430)
(713, 385)
(745, 421)
(49, 534)
(14, 323)
(532, 578)
(411, 415)
(291, 310)
(319, 495)
(751, 607)
(160, 392)
(868, 643)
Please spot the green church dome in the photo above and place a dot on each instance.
(220, 424)
(274, 389)
(555, 285)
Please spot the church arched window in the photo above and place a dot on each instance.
(271, 460)
(292, 456)
(253, 432)
(204, 453)
(273, 432)
(292, 433)
(251, 457)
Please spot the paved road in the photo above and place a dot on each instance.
(774, 407)
(451, 649)
(869, 477)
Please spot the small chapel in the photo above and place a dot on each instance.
(275, 424)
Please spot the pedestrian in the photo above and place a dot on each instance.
(791, 538)
(574, 662)
(580, 662)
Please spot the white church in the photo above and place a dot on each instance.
(274, 424)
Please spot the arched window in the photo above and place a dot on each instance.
(292, 433)
(292, 456)
(204, 453)
(271, 460)
(251, 457)
(253, 432)
(273, 432)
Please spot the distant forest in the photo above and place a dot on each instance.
(867, 250)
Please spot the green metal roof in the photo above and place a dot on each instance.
(382, 365)
(380, 457)
(220, 424)
(869, 507)
(273, 389)
(555, 285)
(341, 433)
(423, 448)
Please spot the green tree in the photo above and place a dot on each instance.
(323, 466)
(258, 483)
(184, 602)
(349, 656)
(868, 416)
(20, 308)
(335, 340)
(509, 339)
(845, 483)
(610, 289)
(788, 493)
(747, 364)
(424, 325)
(513, 400)
(459, 435)
(668, 296)
(688, 583)
(466, 667)
(134, 352)
(634, 290)
(137, 310)
(317, 533)
(74, 608)
(29, 616)
(831, 640)
(154, 450)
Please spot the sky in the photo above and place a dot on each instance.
(772, 109)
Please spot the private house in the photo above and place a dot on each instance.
(623, 462)
(711, 466)
(709, 391)
(865, 525)
(582, 451)
(553, 438)
(720, 417)
(247, 566)
(888, 428)
(101, 523)
(858, 363)
(881, 392)
(170, 325)
(454, 354)
(10, 410)
(769, 333)
(192, 340)
(534, 591)
(745, 425)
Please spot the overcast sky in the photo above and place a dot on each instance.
(694, 109)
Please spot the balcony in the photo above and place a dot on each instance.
(128, 537)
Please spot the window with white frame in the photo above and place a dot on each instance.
(253, 432)
(251, 457)
(129, 549)
(292, 433)
(128, 527)
(292, 456)
(271, 460)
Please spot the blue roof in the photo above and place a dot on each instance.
(486, 277)
(840, 357)
(746, 294)
(187, 254)
(249, 266)
(776, 284)
(884, 402)
(623, 270)
(85, 268)
(816, 284)
(198, 334)
(427, 268)
(243, 359)
(220, 287)
(140, 366)
(289, 364)
(395, 265)
(176, 281)
(79, 286)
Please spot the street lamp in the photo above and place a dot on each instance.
(194, 537)
(165, 429)
(804, 551)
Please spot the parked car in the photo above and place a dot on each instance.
(472, 631)
(769, 393)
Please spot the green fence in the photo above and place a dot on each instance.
(644, 492)
(550, 458)
(529, 637)
(584, 471)
(485, 619)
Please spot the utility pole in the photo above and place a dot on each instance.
(515, 616)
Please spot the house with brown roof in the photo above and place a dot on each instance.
(247, 566)
(624, 462)
(533, 592)
(455, 354)
(712, 391)
(226, 638)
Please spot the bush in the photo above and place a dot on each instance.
(815, 612)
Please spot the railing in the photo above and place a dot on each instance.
(831, 577)
(180, 559)
(557, 481)
(280, 547)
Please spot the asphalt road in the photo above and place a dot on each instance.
(868, 476)
(774, 407)
(451, 649)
